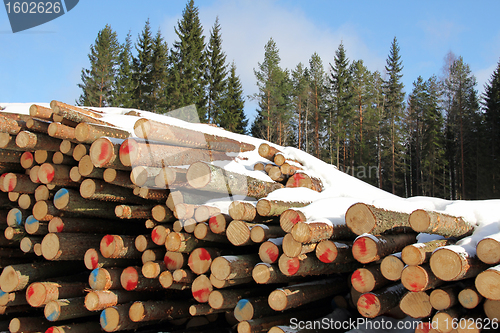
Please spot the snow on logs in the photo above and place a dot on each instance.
(131, 214)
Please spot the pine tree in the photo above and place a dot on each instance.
(340, 115)
(98, 82)
(188, 64)
(142, 70)
(491, 107)
(124, 84)
(394, 107)
(216, 75)
(233, 118)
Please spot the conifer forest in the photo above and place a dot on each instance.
(436, 138)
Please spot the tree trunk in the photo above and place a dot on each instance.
(370, 248)
(363, 218)
(392, 266)
(416, 305)
(419, 278)
(66, 246)
(420, 253)
(453, 263)
(439, 224)
(105, 153)
(373, 304)
(267, 207)
(368, 278)
(88, 133)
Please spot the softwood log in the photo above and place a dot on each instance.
(87, 169)
(201, 288)
(267, 151)
(153, 255)
(375, 303)
(233, 266)
(488, 249)
(56, 174)
(70, 200)
(40, 293)
(84, 327)
(452, 263)
(97, 300)
(143, 311)
(76, 114)
(26, 201)
(28, 324)
(368, 278)
(27, 160)
(88, 133)
(17, 277)
(116, 318)
(105, 153)
(67, 147)
(292, 248)
(16, 217)
(271, 250)
(469, 297)
(291, 217)
(440, 224)
(221, 284)
(202, 232)
(303, 293)
(11, 126)
(228, 298)
(134, 151)
(363, 218)
(66, 246)
(175, 260)
(13, 299)
(443, 320)
(308, 264)
(95, 226)
(314, 232)
(202, 310)
(93, 259)
(60, 158)
(119, 246)
(182, 242)
(208, 177)
(416, 305)
(392, 266)
(118, 177)
(152, 269)
(33, 141)
(252, 308)
(492, 309)
(105, 278)
(134, 211)
(419, 278)
(156, 131)
(488, 283)
(80, 151)
(238, 233)
(167, 282)
(60, 131)
(219, 223)
(301, 179)
(43, 156)
(201, 259)
(368, 248)
(132, 279)
(95, 189)
(159, 234)
(266, 207)
(42, 112)
(445, 297)
(262, 232)
(35, 227)
(45, 210)
(420, 253)
(20, 183)
(276, 175)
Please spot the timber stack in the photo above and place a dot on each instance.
(151, 227)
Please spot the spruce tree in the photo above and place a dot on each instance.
(300, 97)
(159, 66)
(491, 107)
(216, 75)
(124, 84)
(188, 63)
(142, 70)
(394, 107)
(233, 118)
(98, 82)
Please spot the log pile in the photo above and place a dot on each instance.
(114, 229)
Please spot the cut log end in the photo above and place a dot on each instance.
(129, 278)
(360, 219)
(392, 268)
(364, 250)
(488, 251)
(446, 264)
(278, 300)
(419, 220)
(110, 319)
(9, 279)
(369, 305)
(137, 312)
(198, 175)
(51, 247)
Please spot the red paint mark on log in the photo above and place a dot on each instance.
(201, 295)
(357, 278)
(50, 174)
(293, 266)
(415, 287)
(204, 255)
(60, 227)
(169, 262)
(155, 236)
(325, 257)
(109, 239)
(50, 330)
(12, 185)
(369, 300)
(360, 246)
(212, 222)
(30, 292)
(131, 285)
(94, 262)
(296, 219)
(297, 178)
(104, 152)
(272, 254)
(425, 327)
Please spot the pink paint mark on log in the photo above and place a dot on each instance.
(293, 266)
(104, 152)
(201, 295)
(108, 239)
(204, 255)
(272, 254)
(367, 300)
(325, 257)
(357, 278)
(297, 178)
(359, 246)
(94, 261)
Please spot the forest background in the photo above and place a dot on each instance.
(437, 137)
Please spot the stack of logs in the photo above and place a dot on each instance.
(116, 233)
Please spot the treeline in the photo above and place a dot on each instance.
(438, 140)
(153, 77)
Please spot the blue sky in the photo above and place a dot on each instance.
(45, 62)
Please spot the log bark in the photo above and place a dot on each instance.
(291, 217)
(132, 279)
(202, 310)
(93, 259)
(369, 248)
(156, 131)
(419, 278)
(392, 266)
(221, 284)
(134, 211)
(76, 114)
(105, 153)
(303, 293)
(66, 246)
(95, 226)
(420, 253)
(84, 327)
(439, 224)
(56, 175)
(69, 200)
(234, 266)
(417, 305)
(267, 151)
(363, 218)
(314, 232)
(60, 131)
(208, 177)
(266, 207)
(119, 246)
(158, 195)
(40, 293)
(9, 156)
(17, 277)
(453, 263)
(262, 232)
(308, 265)
(368, 278)
(11, 126)
(135, 152)
(373, 304)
